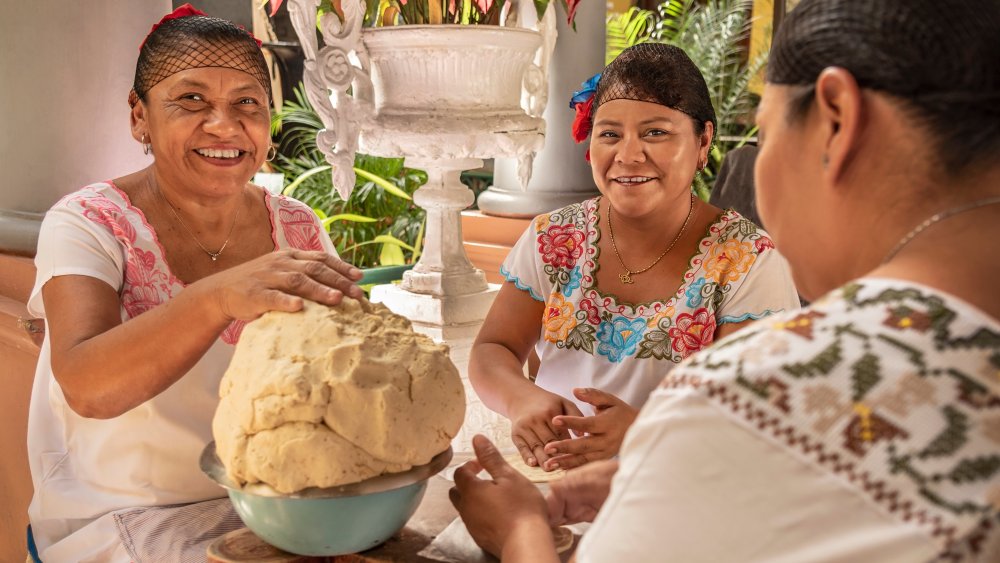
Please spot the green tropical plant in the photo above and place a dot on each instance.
(714, 34)
(379, 225)
(625, 30)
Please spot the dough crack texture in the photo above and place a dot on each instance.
(334, 395)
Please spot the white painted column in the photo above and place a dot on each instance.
(561, 174)
(65, 73)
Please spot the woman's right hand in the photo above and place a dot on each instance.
(531, 423)
(279, 281)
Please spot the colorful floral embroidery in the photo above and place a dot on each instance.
(558, 318)
(561, 245)
(692, 332)
(567, 244)
(575, 277)
(591, 314)
(729, 261)
(619, 338)
(694, 293)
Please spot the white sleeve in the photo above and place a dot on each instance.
(325, 241)
(523, 265)
(766, 289)
(697, 485)
(70, 244)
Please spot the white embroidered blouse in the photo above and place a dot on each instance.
(590, 339)
(84, 470)
(863, 428)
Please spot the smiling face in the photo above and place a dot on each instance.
(209, 128)
(644, 155)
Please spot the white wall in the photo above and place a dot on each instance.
(65, 72)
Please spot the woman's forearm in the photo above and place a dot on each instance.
(497, 376)
(118, 369)
(530, 542)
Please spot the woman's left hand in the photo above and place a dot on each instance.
(506, 512)
(600, 436)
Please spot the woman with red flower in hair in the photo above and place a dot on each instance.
(613, 291)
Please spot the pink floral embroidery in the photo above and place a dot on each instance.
(232, 333)
(300, 226)
(692, 332)
(103, 211)
(144, 282)
(762, 244)
(561, 245)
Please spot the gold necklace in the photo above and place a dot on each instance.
(934, 219)
(627, 276)
(213, 255)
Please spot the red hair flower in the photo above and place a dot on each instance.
(582, 124)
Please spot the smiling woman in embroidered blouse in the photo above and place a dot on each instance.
(593, 287)
(145, 282)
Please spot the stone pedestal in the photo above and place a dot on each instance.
(561, 175)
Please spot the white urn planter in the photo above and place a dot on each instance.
(444, 97)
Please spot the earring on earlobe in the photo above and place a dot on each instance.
(146, 147)
(271, 153)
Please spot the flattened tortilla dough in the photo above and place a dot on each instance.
(534, 474)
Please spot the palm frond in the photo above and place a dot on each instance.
(625, 30)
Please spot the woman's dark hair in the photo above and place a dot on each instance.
(939, 58)
(661, 74)
(197, 42)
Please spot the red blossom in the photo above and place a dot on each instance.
(692, 332)
(182, 12)
(588, 307)
(582, 122)
(763, 243)
(561, 245)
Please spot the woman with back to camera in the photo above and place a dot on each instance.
(867, 426)
(612, 292)
(145, 282)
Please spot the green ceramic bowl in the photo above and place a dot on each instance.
(332, 521)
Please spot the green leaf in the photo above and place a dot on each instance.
(382, 239)
(391, 255)
(347, 217)
(977, 469)
(822, 364)
(953, 437)
(290, 188)
(865, 376)
(382, 183)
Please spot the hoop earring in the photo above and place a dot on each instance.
(271, 153)
(146, 147)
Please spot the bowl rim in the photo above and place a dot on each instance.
(212, 466)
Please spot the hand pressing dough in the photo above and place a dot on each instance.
(334, 395)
